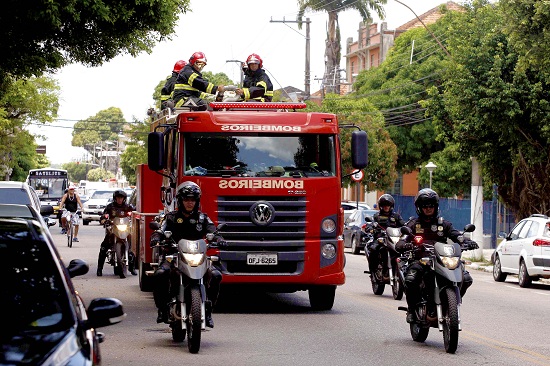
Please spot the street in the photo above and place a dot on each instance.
(502, 323)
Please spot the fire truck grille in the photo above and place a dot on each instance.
(268, 225)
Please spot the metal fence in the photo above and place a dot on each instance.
(458, 211)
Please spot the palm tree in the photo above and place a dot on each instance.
(331, 78)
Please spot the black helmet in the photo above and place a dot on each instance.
(119, 193)
(188, 189)
(386, 200)
(426, 197)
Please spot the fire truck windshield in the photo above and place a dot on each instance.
(260, 155)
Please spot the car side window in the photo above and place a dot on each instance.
(515, 231)
(525, 229)
(533, 230)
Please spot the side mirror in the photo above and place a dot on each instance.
(359, 149)
(469, 228)
(405, 230)
(155, 153)
(153, 225)
(77, 267)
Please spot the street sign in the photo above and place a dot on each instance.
(358, 176)
(41, 149)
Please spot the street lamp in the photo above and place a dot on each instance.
(431, 167)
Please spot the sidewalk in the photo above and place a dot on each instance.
(486, 266)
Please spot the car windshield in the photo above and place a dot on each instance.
(33, 294)
(260, 155)
(14, 195)
(102, 195)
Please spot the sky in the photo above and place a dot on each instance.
(223, 30)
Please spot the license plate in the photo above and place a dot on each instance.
(261, 259)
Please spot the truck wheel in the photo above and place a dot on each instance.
(145, 282)
(322, 297)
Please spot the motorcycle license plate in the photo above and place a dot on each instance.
(261, 259)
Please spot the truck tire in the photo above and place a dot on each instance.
(322, 297)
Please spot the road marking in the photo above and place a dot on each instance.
(542, 293)
(513, 287)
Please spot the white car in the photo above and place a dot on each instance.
(94, 206)
(350, 206)
(525, 251)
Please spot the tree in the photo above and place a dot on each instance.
(136, 150)
(496, 107)
(333, 47)
(380, 173)
(50, 34)
(99, 174)
(76, 171)
(24, 102)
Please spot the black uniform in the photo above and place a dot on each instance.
(114, 210)
(434, 229)
(375, 250)
(167, 89)
(191, 84)
(257, 86)
(193, 227)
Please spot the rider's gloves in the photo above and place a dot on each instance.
(154, 242)
(403, 246)
(471, 245)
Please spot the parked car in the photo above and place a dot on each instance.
(44, 321)
(352, 229)
(349, 206)
(21, 193)
(525, 251)
(93, 208)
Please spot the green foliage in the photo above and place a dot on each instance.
(104, 126)
(49, 34)
(77, 171)
(496, 107)
(136, 150)
(23, 102)
(380, 173)
(99, 174)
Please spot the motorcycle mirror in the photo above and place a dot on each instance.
(153, 225)
(469, 228)
(405, 230)
(209, 236)
(223, 225)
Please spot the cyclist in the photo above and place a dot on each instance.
(71, 201)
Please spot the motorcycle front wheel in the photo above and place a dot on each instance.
(419, 332)
(377, 281)
(194, 321)
(120, 252)
(396, 286)
(450, 320)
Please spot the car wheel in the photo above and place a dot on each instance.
(497, 270)
(85, 222)
(355, 246)
(523, 275)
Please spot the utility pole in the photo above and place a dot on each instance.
(307, 73)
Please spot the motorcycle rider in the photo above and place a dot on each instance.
(191, 85)
(187, 222)
(109, 213)
(168, 88)
(256, 85)
(385, 218)
(431, 227)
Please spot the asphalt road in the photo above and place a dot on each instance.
(502, 323)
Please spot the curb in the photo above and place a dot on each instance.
(479, 266)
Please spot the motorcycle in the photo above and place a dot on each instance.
(118, 255)
(440, 289)
(187, 311)
(387, 270)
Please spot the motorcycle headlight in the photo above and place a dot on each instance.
(122, 227)
(194, 260)
(450, 262)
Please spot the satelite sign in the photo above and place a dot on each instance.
(357, 176)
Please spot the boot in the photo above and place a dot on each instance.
(411, 316)
(121, 275)
(100, 262)
(208, 316)
(132, 264)
(162, 316)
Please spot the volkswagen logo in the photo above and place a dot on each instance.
(262, 213)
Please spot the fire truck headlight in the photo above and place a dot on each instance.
(328, 251)
(329, 226)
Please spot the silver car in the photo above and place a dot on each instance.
(525, 251)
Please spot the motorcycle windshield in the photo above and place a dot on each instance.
(448, 249)
(192, 246)
(394, 234)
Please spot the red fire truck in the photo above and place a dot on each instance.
(273, 176)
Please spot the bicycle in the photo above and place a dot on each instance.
(72, 220)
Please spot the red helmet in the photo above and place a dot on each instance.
(179, 65)
(197, 57)
(254, 59)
